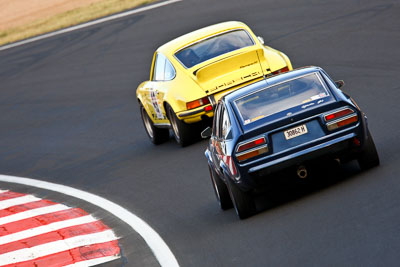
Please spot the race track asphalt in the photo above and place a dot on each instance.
(68, 115)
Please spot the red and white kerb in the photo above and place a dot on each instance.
(39, 232)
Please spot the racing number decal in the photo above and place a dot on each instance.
(156, 105)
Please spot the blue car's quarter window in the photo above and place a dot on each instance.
(302, 91)
(163, 69)
(213, 47)
(226, 125)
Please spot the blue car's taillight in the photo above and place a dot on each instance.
(252, 148)
(340, 118)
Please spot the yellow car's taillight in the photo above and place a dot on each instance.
(285, 69)
(197, 103)
(250, 149)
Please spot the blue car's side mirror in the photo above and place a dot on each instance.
(206, 133)
(339, 83)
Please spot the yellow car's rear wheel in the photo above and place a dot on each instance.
(156, 135)
(182, 132)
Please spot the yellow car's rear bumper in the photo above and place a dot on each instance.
(195, 115)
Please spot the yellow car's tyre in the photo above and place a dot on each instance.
(243, 202)
(156, 135)
(221, 191)
(182, 132)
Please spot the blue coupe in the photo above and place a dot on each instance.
(281, 123)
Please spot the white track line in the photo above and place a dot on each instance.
(47, 249)
(88, 24)
(4, 204)
(3, 191)
(93, 261)
(31, 213)
(46, 229)
(160, 249)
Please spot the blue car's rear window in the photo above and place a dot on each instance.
(302, 91)
(213, 47)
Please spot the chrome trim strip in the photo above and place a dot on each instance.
(249, 141)
(337, 110)
(251, 150)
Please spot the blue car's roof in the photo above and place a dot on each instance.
(270, 81)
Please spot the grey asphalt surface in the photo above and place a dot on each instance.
(68, 115)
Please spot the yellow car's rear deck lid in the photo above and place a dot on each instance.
(230, 71)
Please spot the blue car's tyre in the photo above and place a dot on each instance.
(156, 135)
(368, 157)
(243, 202)
(221, 191)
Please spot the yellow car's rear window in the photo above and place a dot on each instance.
(213, 47)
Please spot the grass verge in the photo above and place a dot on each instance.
(68, 18)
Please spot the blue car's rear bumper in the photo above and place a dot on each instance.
(332, 147)
(342, 146)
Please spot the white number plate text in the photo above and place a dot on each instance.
(296, 131)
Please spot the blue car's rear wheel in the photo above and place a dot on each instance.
(243, 202)
(221, 191)
(156, 135)
(368, 157)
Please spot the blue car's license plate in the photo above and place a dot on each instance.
(296, 131)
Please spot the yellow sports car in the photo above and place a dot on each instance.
(191, 73)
